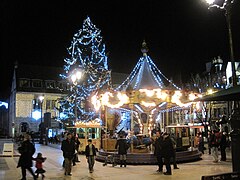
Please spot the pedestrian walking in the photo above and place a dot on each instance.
(75, 156)
(223, 145)
(26, 150)
(90, 152)
(215, 142)
(201, 143)
(68, 148)
(174, 142)
(167, 152)
(158, 151)
(209, 141)
(121, 146)
(39, 165)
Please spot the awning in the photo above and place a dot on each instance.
(230, 94)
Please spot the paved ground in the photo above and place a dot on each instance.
(191, 171)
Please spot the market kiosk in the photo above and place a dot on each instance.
(88, 130)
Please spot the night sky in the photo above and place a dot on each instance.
(182, 35)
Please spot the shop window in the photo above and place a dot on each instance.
(81, 133)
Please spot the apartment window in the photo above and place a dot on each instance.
(50, 104)
(62, 86)
(36, 83)
(50, 84)
(36, 104)
(24, 83)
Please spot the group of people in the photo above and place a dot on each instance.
(27, 150)
(165, 150)
(70, 147)
(217, 140)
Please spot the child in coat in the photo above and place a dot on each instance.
(39, 165)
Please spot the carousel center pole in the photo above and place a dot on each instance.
(131, 130)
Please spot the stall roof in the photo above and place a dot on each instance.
(230, 94)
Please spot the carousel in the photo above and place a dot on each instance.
(147, 101)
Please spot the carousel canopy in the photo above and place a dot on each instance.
(145, 75)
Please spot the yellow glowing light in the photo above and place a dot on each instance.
(209, 91)
(191, 97)
(119, 100)
(161, 94)
(176, 98)
(147, 104)
(149, 93)
(81, 124)
(96, 103)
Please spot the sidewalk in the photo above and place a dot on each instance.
(191, 171)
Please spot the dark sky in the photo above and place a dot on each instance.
(182, 35)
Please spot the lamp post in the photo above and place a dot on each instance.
(235, 116)
(76, 76)
(41, 98)
(227, 6)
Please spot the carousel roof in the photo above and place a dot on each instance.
(145, 75)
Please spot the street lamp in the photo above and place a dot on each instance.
(227, 6)
(41, 98)
(76, 76)
(235, 116)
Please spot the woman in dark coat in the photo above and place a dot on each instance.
(167, 152)
(158, 150)
(122, 147)
(26, 150)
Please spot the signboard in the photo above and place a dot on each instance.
(8, 149)
(185, 141)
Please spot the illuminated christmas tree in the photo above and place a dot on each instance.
(86, 71)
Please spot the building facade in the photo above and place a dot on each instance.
(36, 92)
(26, 108)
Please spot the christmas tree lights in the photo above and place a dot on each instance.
(88, 61)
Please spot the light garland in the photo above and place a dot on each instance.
(146, 98)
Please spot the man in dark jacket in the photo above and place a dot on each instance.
(167, 152)
(223, 145)
(90, 152)
(68, 148)
(174, 141)
(26, 150)
(157, 151)
(122, 147)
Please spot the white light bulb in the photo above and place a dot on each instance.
(210, 1)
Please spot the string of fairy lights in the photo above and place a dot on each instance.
(157, 74)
